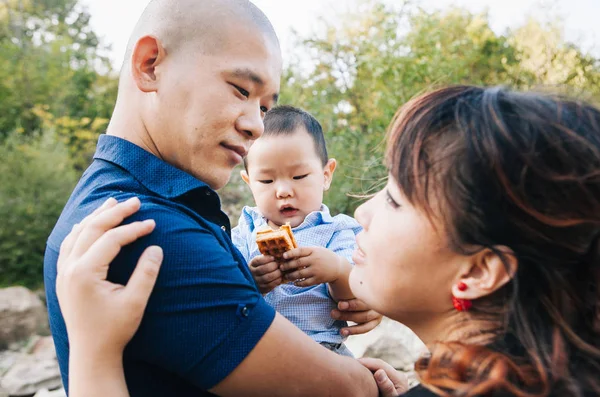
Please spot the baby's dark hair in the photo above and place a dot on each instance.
(285, 120)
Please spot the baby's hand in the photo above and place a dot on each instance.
(266, 273)
(307, 266)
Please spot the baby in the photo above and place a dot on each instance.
(288, 170)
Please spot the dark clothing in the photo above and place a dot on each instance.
(205, 314)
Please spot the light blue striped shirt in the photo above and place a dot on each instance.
(308, 308)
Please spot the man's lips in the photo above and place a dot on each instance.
(239, 150)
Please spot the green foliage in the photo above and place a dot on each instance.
(50, 57)
(380, 56)
(36, 179)
(57, 91)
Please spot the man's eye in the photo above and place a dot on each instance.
(300, 176)
(242, 91)
(264, 109)
(266, 181)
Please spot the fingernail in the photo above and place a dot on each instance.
(345, 332)
(155, 253)
(132, 200)
(149, 222)
(335, 314)
(343, 305)
(108, 202)
(285, 255)
(379, 376)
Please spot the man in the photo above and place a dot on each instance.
(198, 78)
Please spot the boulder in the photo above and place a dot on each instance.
(391, 342)
(22, 314)
(55, 393)
(30, 374)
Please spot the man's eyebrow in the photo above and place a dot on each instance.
(248, 74)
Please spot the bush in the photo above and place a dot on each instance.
(36, 179)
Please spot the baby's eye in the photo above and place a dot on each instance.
(266, 181)
(300, 176)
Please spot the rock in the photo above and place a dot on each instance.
(9, 359)
(31, 374)
(22, 314)
(43, 348)
(391, 342)
(56, 393)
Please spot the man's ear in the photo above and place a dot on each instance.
(328, 171)
(245, 177)
(148, 53)
(486, 272)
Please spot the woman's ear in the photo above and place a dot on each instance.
(328, 171)
(147, 54)
(486, 272)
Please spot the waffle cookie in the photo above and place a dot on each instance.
(276, 242)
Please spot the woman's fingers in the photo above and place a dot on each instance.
(67, 245)
(143, 279)
(386, 375)
(105, 249)
(361, 328)
(95, 226)
(385, 385)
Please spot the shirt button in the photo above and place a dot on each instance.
(245, 311)
(223, 228)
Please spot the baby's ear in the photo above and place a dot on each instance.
(328, 171)
(245, 177)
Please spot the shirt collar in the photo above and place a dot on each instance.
(155, 174)
(254, 217)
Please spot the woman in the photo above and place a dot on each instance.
(493, 207)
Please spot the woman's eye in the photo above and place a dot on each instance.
(300, 176)
(390, 200)
(266, 181)
(264, 109)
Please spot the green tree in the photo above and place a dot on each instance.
(376, 60)
(50, 57)
(36, 179)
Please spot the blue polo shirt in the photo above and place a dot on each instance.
(205, 314)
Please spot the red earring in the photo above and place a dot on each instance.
(462, 305)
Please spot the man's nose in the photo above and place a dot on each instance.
(251, 122)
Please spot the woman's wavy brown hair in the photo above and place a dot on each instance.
(517, 170)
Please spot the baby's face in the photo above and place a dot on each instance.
(286, 177)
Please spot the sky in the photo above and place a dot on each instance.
(114, 22)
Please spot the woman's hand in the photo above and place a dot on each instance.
(101, 316)
(358, 312)
(391, 383)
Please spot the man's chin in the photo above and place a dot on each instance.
(217, 182)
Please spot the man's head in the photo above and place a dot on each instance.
(197, 80)
(288, 169)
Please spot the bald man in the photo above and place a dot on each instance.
(197, 81)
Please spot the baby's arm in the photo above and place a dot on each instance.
(340, 289)
(343, 244)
